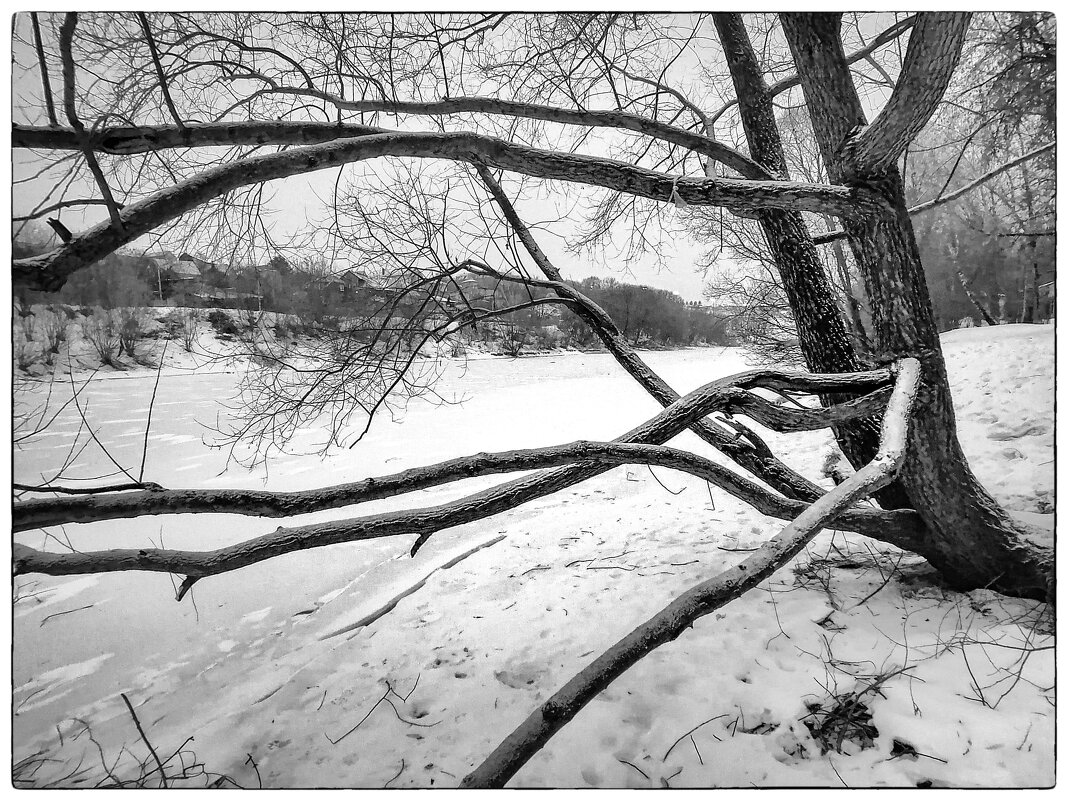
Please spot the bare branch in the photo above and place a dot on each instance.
(160, 75)
(704, 145)
(66, 37)
(64, 204)
(98, 506)
(132, 140)
(49, 271)
(920, 208)
(46, 84)
(426, 521)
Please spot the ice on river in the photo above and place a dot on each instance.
(283, 659)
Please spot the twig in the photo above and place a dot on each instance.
(67, 612)
(152, 401)
(144, 738)
(690, 732)
(397, 775)
(642, 772)
(661, 483)
(886, 580)
(256, 768)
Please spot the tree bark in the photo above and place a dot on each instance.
(971, 541)
(821, 330)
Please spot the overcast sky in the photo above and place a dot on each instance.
(672, 265)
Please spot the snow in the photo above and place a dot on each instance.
(282, 660)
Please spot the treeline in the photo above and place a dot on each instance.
(315, 298)
(645, 316)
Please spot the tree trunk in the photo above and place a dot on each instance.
(1030, 277)
(859, 332)
(975, 301)
(971, 541)
(821, 330)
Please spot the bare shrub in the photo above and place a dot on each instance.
(189, 319)
(101, 331)
(26, 353)
(53, 327)
(131, 328)
(181, 324)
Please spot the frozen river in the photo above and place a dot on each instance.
(131, 625)
(278, 660)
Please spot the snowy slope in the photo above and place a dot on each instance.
(289, 664)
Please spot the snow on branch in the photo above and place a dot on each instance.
(425, 522)
(704, 598)
(131, 140)
(95, 506)
(49, 271)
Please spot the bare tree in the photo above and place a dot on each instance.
(280, 96)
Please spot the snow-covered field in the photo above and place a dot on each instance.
(277, 673)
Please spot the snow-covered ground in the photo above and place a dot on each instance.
(278, 671)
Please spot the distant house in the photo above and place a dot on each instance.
(162, 258)
(184, 271)
(344, 284)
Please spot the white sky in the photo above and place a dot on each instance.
(673, 267)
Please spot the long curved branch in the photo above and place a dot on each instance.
(49, 271)
(39, 513)
(928, 205)
(704, 145)
(764, 465)
(133, 140)
(901, 526)
(424, 522)
(676, 617)
(130, 140)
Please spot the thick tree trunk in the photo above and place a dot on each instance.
(971, 541)
(821, 330)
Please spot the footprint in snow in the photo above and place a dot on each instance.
(1016, 432)
(521, 676)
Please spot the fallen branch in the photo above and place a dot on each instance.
(424, 522)
(97, 504)
(706, 597)
(144, 738)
